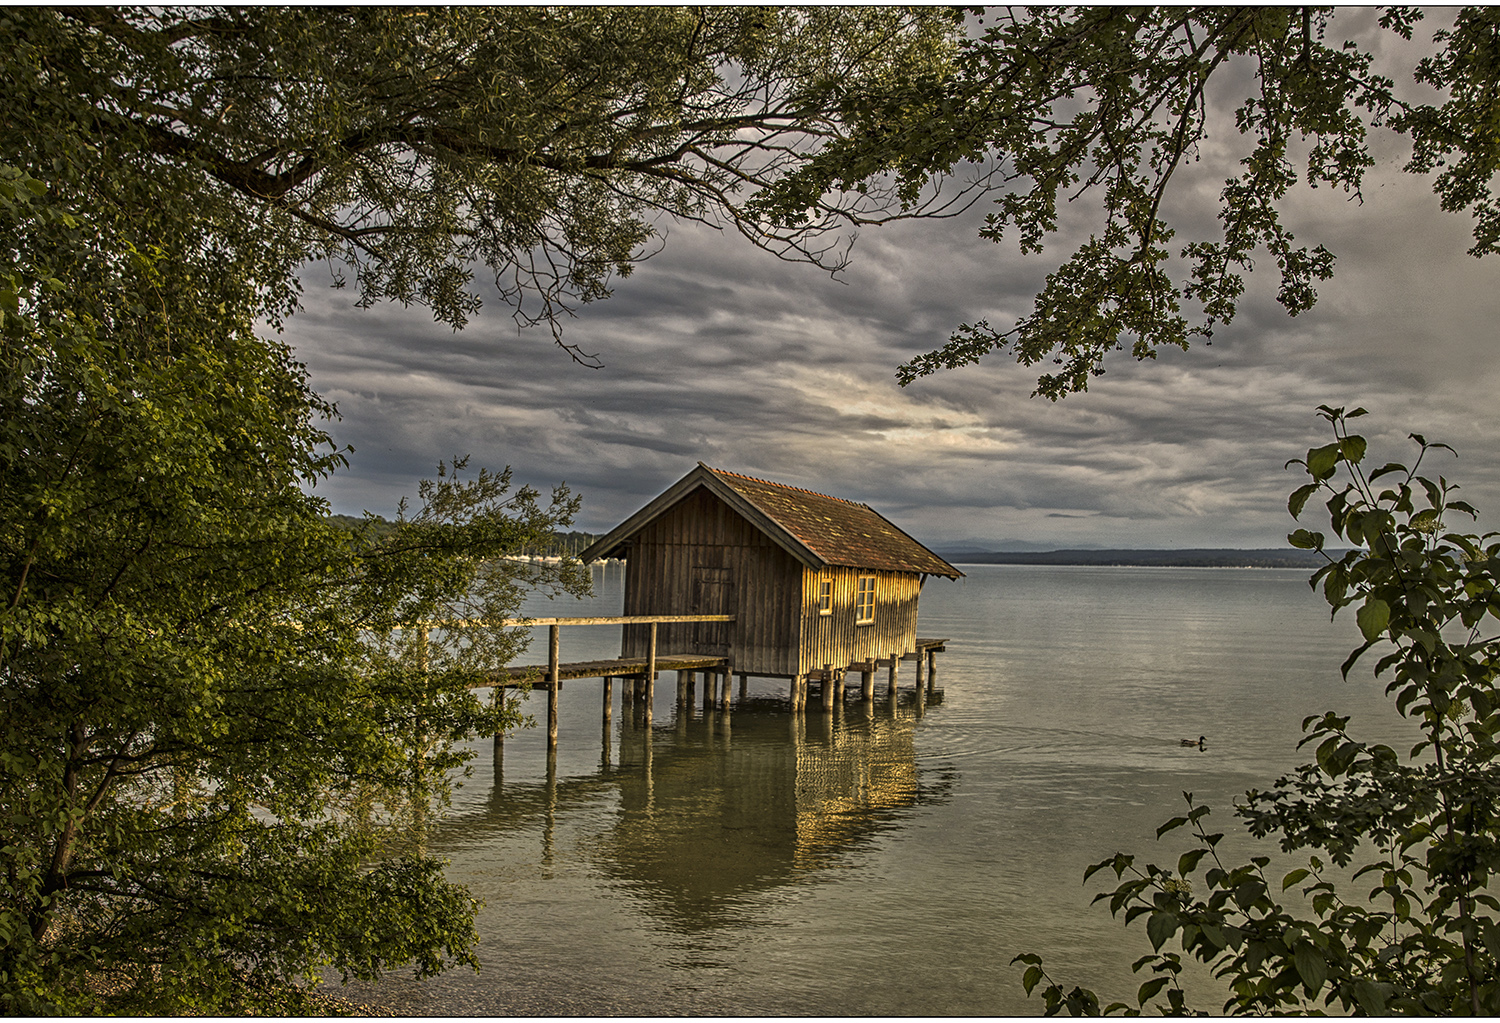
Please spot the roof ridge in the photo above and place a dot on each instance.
(783, 486)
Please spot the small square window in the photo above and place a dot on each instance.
(825, 596)
(864, 601)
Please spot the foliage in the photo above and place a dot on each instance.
(202, 681)
(1421, 830)
(404, 145)
(1117, 102)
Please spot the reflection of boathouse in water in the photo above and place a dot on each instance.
(816, 585)
(718, 808)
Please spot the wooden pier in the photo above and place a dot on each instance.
(641, 672)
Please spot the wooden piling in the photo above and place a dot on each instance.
(919, 671)
(895, 663)
(867, 681)
(609, 698)
(931, 670)
(650, 673)
(827, 687)
(682, 687)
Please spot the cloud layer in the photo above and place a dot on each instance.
(715, 351)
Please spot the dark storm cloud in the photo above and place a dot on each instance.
(718, 352)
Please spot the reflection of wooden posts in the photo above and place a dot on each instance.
(608, 715)
(497, 701)
(650, 673)
(867, 681)
(553, 683)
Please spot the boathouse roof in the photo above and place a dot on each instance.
(818, 530)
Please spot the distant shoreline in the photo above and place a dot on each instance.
(1203, 557)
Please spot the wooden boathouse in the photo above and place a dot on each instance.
(816, 585)
(731, 575)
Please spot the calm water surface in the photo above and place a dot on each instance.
(885, 860)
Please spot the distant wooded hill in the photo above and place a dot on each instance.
(1203, 557)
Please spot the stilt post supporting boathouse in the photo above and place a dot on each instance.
(650, 674)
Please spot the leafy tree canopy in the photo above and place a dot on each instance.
(209, 713)
(1114, 103)
(406, 146)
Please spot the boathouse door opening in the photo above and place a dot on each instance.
(713, 594)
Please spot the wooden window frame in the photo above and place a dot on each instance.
(825, 596)
(864, 600)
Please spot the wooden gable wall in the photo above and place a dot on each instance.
(702, 557)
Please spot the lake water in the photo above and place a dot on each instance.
(886, 860)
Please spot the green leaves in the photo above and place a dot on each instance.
(1160, 927)
(1310, 967)
(1373, 616)
(1108, 103)
(1322, 461)
(1305, 540)
(1299, 497)
(209, 725)
(1418, 931)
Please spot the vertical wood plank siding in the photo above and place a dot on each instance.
(701, 557)
(835, 638)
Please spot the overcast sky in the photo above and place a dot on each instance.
(717, 352)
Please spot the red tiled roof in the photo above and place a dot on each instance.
(837, 531)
